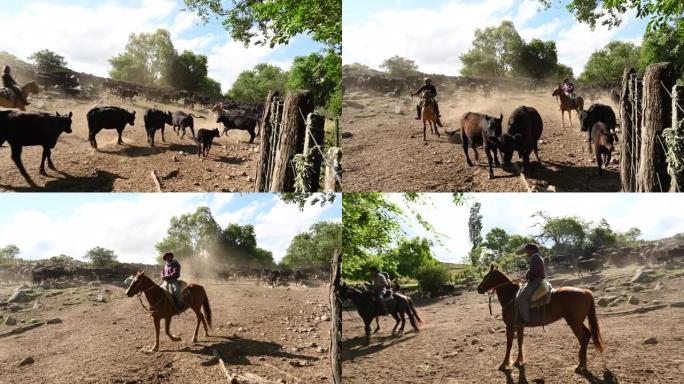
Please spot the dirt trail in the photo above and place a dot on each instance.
(272, 333)
(385, 151)
(461, 343)
(230, 166)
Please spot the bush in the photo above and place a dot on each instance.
(431, 279)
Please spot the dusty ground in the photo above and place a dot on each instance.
(258, 330)
(461, 326)
(230, 167)
(385, 151)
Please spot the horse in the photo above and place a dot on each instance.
(26, 91)
(162, 307)
(428, 115)
(399, 306)
(566, 104)
(569, 303)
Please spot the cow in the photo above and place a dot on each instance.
(603, 140)
(205, 138)
(125, 93)
(154, 120)
(29, 129)
(100, 118)
(182, 120)
(522, 134)
(479, 129)
(243, 123)
(590, 265)
(597, 112)
(189, 103)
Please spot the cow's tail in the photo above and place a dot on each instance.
(594, 326)
(197, 117)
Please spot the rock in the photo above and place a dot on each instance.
(637, 288)
(10, 321)
(14, 307)
(642, 275)
(37, 305)
(325, 318)
(651, 341)
(21, 295)
(633, 300)
(450, 355)
(321, 350)
(604, 301)
(94, 283)
(677, 304)
(55, 320)
(480, 349)
(100, 298)
(475, 341)
(26, 361)
(243, 174)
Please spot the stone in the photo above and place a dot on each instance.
(604, 301)
(633, 300)
(10, 321)
(651, 341)
(100, 298)
(20, 296)
(475, 341)
(55, 320)
(26, 361)
(642, 275)
(677, 304)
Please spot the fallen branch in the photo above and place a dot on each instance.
(245, 378)
(295, 378)
(522, 177)
(19, 330)
(223, 365)
(155, 179)
(637, 310)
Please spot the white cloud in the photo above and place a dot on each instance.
(227, 60)
(526, 11)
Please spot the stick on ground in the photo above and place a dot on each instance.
(155, 179)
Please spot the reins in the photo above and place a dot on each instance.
(152, 307)
(493, 290)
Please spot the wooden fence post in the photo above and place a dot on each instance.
(315, 126)
(335, 318)
(270, 116)
(677, 132)
(627, 145)
(337, 131)
(291, 139)
(652, 175)
(333, 170)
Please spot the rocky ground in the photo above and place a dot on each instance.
(639, 310)
(93, 333)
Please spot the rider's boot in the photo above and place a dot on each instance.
(417, 112)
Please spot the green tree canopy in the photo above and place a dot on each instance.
(48, 61)
(356, 69)
(189, 71)
(190, 235)
(148, 59)
(253, 85)
(475, 233)
(567, 233)
(397, 66)
(664, 44)
(602, 235)
(320, 74)
(411, 255)
(495, 51)
(237, 245)
(63, 259)
(608, 64)
(9, 253)
(315, 247)
(538, 59)
(101, 257)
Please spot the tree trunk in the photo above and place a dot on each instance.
(652, 175)
(677, 183)
(628, 144)
(336, 318)
(291, 139)
(269, 117)
(315, 126)
(333, 170)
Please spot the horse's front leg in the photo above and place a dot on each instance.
(167, 327)
(520, 361)
(367, 328)
(377, 324)
(396, 324)
(506, 365)
(156, 334)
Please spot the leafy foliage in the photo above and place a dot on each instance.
(315, 247)
(148, 59)
(607, 64)
(48, 61)
(475, 232)
(356, 69)
(9, 253)
(189, 71)
(397, 66)
(321, 74)
(101, 257)
(665, 44)
(313, 198)
(190, 235)
(237, 244)
(431, 278)
(253, 85)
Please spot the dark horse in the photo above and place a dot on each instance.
(162, 307)
(399, 306)
(569, 303)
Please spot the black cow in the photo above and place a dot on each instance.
(205, 138)
(525, 127)
(100, 118)
(481, 130)
(154, 120)
(603, 140)
(29, 129)
(243, 123)
(595, 113)
(589, 265)
(182, 120)
(127, 94)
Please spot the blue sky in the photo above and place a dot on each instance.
(88, 33)
(657, 215)
(434, 33)
(44, 225)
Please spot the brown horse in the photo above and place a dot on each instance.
(162, 307)
(569, 303)
(566, 104)
(428, 115)
(26, 90)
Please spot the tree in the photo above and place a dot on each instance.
(189, 71)
(538, 59)
(317, 73)
(101, 258)
(431, 278)
(495, 51)
(411, 255)
(275, 22)
(664, 45)
(475, 232)
(630, 237)
(313, 198)
(567, 233)
(607, 64)
(63, 259)
(356, 69)
(562, 71)
(190, 235)
(315, 247)
(602, 235)
(9, 253)
(397, 66)
(237, 244)
(48, 61)
(149, 59)
(253, 85)
(496, 240)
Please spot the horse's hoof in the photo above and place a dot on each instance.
(580, 369)
(194, 339)
(504, 368)
(42, 172)
(519, 365)
(175, 338)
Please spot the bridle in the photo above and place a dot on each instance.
(152, 309)
(492, 291)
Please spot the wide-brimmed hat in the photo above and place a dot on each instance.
(528, 246)
(167, 254)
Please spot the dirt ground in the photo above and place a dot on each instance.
(461, 343)
(230, 167)
(383, 148)
(275, 333)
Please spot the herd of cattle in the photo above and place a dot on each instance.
(282, 276)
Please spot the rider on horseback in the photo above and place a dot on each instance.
(379, 288)
(534, 278)
(171, 274)
(9, 82)
(569, 89)
(433, 93)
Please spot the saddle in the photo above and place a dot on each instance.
(542, 295)
(184, 293)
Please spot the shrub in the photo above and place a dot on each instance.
(431, 279)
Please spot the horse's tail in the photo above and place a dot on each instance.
(413, 311)
(207, 308)
(594, 326)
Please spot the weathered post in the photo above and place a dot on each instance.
(315, 136)
(336, 318)
(675, 140)
(333, 170)
(627, 145)
(652, 175)
(268, 119)
(291, 139)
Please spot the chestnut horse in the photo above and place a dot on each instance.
(26, 90)
(162, 307)
(569, 303)
(566, 104)
(428, 115)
